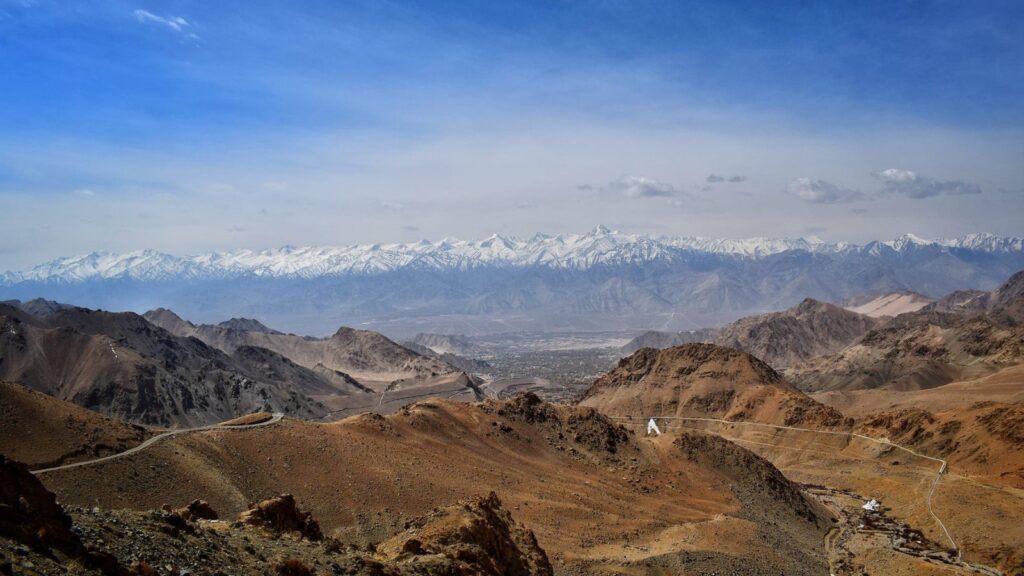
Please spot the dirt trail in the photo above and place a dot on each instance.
(275, 418)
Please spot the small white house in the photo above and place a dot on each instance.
(872, 505)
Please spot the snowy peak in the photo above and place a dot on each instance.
(599, 247)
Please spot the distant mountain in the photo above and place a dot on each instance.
(464, 363)
(121, 365)
(38, 306)
(781, 339)
(247, 325)
(595, 281)
(656, 339)
(964, 335)
(367, 358)
(1006, 301)
(704, 380)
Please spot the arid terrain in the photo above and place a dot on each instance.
(750, 470)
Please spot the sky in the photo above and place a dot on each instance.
(196, 126)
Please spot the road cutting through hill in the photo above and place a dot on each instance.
(276, 417)
(943, 465)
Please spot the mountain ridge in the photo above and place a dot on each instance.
(599, 247)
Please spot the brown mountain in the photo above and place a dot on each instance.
(806, 330)
(962, 336)
(1006, 302)
(368, 357)
(781, 338)
(704, 380)
(598, 498)
(913, 355)
(121, 365)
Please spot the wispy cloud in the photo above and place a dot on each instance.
(175, 23)
(907, 183)
(633, 186)
(821, 191)
(716, 178)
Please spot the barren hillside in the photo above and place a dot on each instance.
(598, 498)
(704, 380)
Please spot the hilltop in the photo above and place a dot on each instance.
(704, 380)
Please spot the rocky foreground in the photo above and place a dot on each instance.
(39, 536)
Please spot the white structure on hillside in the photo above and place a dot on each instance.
(652, 426)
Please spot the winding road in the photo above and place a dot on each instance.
(276, 417)
(943, 465)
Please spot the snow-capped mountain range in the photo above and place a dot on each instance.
(599, 247)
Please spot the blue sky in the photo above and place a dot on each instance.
(192, 126)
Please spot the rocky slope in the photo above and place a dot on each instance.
(784, 338)
(781, 339)
(1005, 302)
(916, 353)
(40, 430)
(597, 498)
(705, 380)
(985, 439)
(965, 335)
(477, 537)
(367, 357)
(121, 365)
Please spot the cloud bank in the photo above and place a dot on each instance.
(821, 191)
(912, 185)
(632, 186)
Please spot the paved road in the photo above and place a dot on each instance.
(275, 418)
(943, 465)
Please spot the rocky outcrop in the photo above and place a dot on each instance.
(281, 514)
(476, 536)
(196, 510)
(30, 515)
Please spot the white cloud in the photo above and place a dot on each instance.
(821, 192)
(912, 185)
(715, 178)
(176, 23)
(636, 187)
